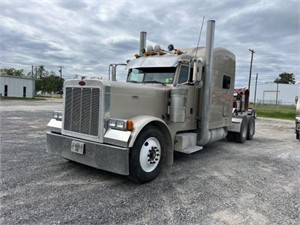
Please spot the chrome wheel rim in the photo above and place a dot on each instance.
(150, 154)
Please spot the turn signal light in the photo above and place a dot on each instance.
(130, 125)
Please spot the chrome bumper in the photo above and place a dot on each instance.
(101, 156)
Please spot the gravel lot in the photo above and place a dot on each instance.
(226, 183)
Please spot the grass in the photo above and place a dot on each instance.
(286, 112)
(19, 98)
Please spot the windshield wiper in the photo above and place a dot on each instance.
(132, 81)
(154, 82)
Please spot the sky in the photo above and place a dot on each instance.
(85, 36)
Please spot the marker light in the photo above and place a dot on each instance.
(157, 48)
(130, 125)
(150, 50)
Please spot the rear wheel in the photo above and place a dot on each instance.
(147, 155)
(242, 135)
(251, 128)
(230, 136)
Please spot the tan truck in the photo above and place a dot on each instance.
(173, 100)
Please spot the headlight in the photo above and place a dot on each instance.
(120, 124)
(57, 115)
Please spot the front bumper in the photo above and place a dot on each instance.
(101, 156)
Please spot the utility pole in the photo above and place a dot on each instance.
(32, 71)
(255, 89)
(252, 52)
(61, 83)
(277, 95)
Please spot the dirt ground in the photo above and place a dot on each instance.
(256, 182)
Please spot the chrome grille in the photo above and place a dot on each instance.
(82, 110)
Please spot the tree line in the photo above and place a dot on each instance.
(46, 81)
(285, 78)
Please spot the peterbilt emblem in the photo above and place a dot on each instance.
(81, 83)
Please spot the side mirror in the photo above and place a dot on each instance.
(197, 72)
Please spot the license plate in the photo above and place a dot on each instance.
(77, 147)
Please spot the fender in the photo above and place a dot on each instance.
(142, 121)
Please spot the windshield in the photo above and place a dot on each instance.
(151, 75)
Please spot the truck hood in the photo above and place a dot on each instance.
(127, 100)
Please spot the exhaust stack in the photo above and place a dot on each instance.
(143, 38)
(209, 48)
(205, 135)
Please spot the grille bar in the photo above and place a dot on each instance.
(82, 110)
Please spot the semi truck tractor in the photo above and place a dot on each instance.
(174, 100)
(242, 127)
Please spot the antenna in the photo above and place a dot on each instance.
(199, 36)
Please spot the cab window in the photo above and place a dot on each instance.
(136, 75)
(183, 74)
(163, 75)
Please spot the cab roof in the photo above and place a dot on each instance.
(157, 61)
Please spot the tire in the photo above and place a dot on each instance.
(251, 128)
(297, 135)
(147, 155)
(242, 135)
(230, 136)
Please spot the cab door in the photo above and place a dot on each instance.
(183, 98)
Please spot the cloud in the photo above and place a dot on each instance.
(86, 36)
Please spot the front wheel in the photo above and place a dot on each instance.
(147, 155)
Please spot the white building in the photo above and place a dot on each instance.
(11, 86)
(271, 93)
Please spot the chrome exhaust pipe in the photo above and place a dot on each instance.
(204, 134)
(143, 39)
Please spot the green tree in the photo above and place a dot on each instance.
(49, 84)
(12, 72)
(41, 72)
(39, 85)
(52, 84)
(285, 78)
